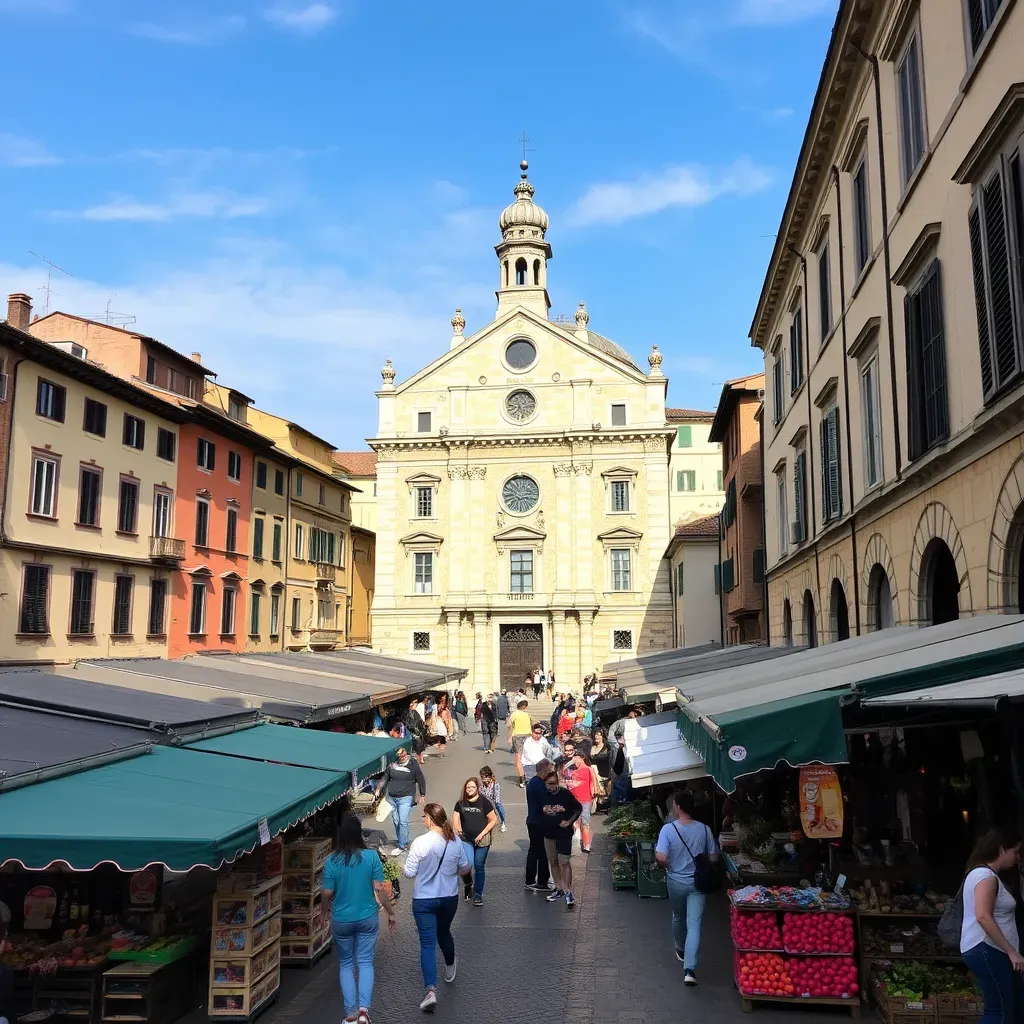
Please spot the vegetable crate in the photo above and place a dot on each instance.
(651, 879)
(623, 867)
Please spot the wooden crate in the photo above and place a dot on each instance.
(242, 971)
(305, 855)
(231, 941)
(244, 1002)
(245, 908)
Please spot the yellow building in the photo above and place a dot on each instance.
(360, 470)
(892, 325)
(90, 473)
(317, 565)
(364, 560)
(695, 466)
(522, 489)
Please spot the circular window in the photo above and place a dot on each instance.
(520, 406)
(521, 354)
(520, 494)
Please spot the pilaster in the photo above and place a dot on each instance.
(563, 547)
(587, 662)
(477, 514)
(582, 516)
(459, 552)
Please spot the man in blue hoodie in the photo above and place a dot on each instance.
(537, 870)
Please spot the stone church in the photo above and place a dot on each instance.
(523, 489)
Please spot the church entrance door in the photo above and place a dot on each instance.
(522, 649)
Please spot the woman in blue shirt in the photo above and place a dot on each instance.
(353, 882)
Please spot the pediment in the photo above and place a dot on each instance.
(423, 538)
(618, 473)
(519, 533)
(198, 570)
(422, 480)
(620, 533)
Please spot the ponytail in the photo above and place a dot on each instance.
(439, 817)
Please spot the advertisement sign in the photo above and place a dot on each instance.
(144, 888)
(40, 906)
(821, 802)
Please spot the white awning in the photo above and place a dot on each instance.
(984, 692)
(656, 752)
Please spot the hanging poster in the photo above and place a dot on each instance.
(40, 905)
(821, 802)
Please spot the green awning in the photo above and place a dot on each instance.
(805, 729)
(357, 756)
(181, 808)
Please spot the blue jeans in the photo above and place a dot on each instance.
(356, 942)
(434, 924)
(401, 806)
(499, 808)
(477, 856)
(1001, 985)
(687, 911)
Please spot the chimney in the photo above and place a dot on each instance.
(19, 310)
(197, 357)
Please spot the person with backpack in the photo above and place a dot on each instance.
(989, 943)
(686, 850)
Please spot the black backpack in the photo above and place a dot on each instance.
(706, 876)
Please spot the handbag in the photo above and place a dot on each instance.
(384, 810)
(951, 924)
(484, 841)
(706, 876)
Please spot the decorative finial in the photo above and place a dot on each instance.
(524, 166)
(388, 374)
(458, 322)
(655, 359)
(582, 317)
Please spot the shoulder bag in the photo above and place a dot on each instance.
(440, 861)
(951, 924)
(706, 877)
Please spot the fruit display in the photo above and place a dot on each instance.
(638, 821)
(823, 977)
(817, 933)
(763, 974)
(902, 940)
(75, 950)
(753, 930)
(787, 896)
(877, 899)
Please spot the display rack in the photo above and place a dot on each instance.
(305, 921)
(77, 989)
(153, 993)
(245, 950)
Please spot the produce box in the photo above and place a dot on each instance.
(651, 880)
(623, 867)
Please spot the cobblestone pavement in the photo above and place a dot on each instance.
(522, 960)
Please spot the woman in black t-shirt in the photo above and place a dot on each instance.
(474, 820)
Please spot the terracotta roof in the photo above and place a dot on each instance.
(691, 415)
(706, 526)
(357, 463)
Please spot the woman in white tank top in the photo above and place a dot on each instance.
(989, 943)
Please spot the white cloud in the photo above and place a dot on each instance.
(687, 186)
(17, 151)
(219, 205)
(195, 34)
(777, 12)
(304, 20)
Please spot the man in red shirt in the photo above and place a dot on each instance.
(579, 780)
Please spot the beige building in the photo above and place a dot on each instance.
(892, 323)
(522, 489)
(694, 556)
(360, 470)
(364, 561)
(695, 466)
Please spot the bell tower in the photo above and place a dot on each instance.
(523, 253)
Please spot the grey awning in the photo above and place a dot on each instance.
(986, 692)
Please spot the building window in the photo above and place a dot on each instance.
(261, 475)
(275, 550)
(257, 537)
(679, 580)
(128, 506)
(622, 639)
(296, 612)
(622, 576)
(870, 401)
(718, 480)
(35, 600)
(980, 15)
(618, 414)
(796, 351)
(202, 524)
(684, 436)
(424, 502)
(82, 585)
(341, 550)
(421, 640)
(778, 384)
(123, 586)
(163, 506)
(231, 532)
(782, 510)
(234, 466)
(152, 367)
(236, 410)
(322, 496)
(325, 615)
(799, 534)
(825, 291)
(275, 614)
(423, 422)
(521, 572)
(134, 432)
(166, 443)
(831, 468)
(686, 479)
(94, 418)
(911, 108)
(927, 409)
(197, 613)
(298, 485)
(157, 602)
(89, 488)
(861, 218)
(254, 615)
(227, 611)
(298, 541)
(279, 481)
(620, 495)
(424, 572)
(50, 400)
(206, 454)
(321, 546)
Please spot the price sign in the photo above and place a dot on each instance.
(895, 947)
(915, 1006)
(264, 830)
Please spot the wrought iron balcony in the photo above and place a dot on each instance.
(325, 572)
(166, 549)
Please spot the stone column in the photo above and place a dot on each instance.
(587, 653)
(458, 541)
(582, 510)
(389, 560)
(562, 550)
(482, 653)
(556, 656)
(476, 542)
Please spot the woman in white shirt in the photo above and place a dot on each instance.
(989, 943)
(436, 860)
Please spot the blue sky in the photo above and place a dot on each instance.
(298, 189)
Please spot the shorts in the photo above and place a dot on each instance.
(490, 728)
(517, 743)
(585, 816)
(562, 846)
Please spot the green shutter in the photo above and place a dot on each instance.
(679, 573)
(718, 579)
(680, 481)
(759, 566)
(684, 436)
(718, 484)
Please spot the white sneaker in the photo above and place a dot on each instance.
(503, 829)
(397, 851)
(449, 972)
(429, 1003)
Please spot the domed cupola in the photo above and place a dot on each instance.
(523, 251)
(524, 214)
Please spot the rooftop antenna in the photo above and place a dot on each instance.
(49, 277)
(113, 319)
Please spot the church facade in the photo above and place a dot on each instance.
(523, 489)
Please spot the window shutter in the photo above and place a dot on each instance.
(679, 480)
(1004, 343)
(59, 398)
(933, 358)
(823, 451)
(758, 566)
(718, 579)
(977, 22)
(799, 484)
(685, 436)
(981, 302)
(915, 398)
(792, 358)
(679, 571)
(837, 462)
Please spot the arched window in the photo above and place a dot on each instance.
(787, 622)
(810, 620)
(506, 273)
(942, 583)
(839, 612)
(536, 271)
(521, 271)
(880, 614)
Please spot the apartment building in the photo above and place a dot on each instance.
(360, 470)
(737, 429)
(90, 512)
(693, 555)
(695, 466)
(364, 560)
(892, 325)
